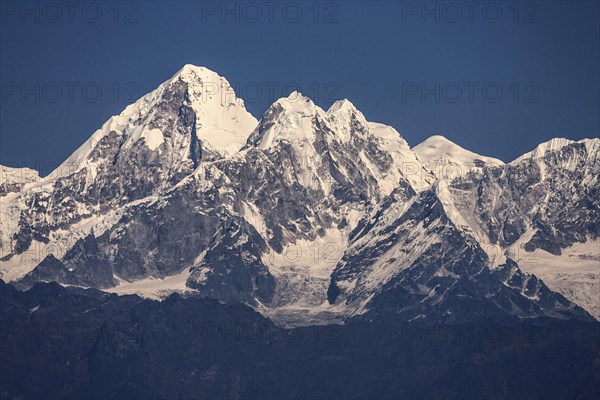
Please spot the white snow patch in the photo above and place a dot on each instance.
(154, 138)
(575, 273)
(154, 288)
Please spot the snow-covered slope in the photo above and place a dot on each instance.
(447, 160)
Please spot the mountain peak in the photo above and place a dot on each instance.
(341, 105)
(296, 102)
(288, 118)
(222, 121)
(204, 80)
(191, 67)
(214, 115)
(438, 146)
(439, 142)
(189, 72)
(345, 107)
(346, 119)
(446, 159)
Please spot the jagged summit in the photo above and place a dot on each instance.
(222, 121)
(295, 102)
(346, 118)
(342, 105)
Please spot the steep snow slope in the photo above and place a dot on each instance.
(534, 208)
(410, 166)
(327, 168)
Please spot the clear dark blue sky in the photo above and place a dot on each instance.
(382, 55)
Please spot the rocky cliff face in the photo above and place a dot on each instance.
(411, 259)
(538, 210)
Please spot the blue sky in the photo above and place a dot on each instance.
(495, 77)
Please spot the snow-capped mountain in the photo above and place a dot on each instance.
(307, 215)
(542, 211)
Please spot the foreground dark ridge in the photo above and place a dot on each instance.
(69, 343)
